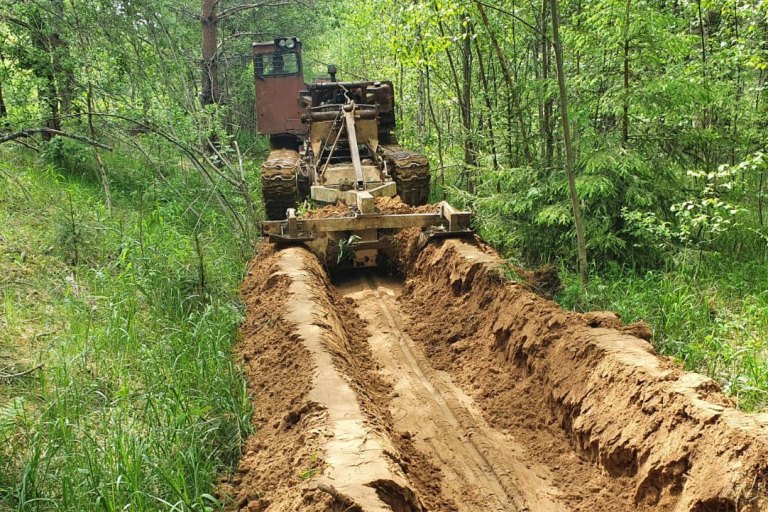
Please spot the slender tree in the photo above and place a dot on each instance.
(508, 78)
(569, 155)
(210, 66)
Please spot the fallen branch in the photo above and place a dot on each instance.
(8, 137)
(11, 376)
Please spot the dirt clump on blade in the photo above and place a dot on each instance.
(621, 427)
(396, 206)
(326, 212)
(384, 205)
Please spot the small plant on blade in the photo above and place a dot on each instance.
(347, 249)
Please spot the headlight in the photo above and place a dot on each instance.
(281, 43)
(290, 43)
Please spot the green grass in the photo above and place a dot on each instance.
(713, 318)
(132, 314)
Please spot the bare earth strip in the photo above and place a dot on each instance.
(483, 469)
(460, 391)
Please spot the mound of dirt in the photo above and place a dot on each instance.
(396, 205)
(322, 441)
(279, 372)
(620, 427)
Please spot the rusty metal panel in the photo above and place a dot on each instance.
(279, 79)
(332, 224)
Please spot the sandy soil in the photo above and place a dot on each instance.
(620, 427)
(480, 465)
(457, 390)
(385, 205)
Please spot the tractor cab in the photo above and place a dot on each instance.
(279, 79)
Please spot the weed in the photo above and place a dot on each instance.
(139, 404)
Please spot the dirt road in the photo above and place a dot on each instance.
(455, 390)
(482, 468)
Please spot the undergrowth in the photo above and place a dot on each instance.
(712, 317)
(117, 389)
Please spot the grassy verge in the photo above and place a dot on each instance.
(713, 318)
(117, 389)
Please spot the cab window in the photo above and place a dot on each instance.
(275, 64)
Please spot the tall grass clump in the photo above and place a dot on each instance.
(712, 317)
(137, 404)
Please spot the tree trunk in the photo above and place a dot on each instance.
(470, 159)
(421, 111)
(90, 104)
(625, 114)
(703, 40)
(48, 93)
(63, 68)
(546, 122)
(50, 98)
(569, 156)
(438, 131)
(421, 116)
(210, 69)
(100, 164)
(463, 97)
(510, 82)
(3, 110)
(488, 106)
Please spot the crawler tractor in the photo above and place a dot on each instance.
(333, 142)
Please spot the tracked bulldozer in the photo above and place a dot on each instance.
(333, 143)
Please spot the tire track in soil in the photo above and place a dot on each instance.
(483, 469)
(482, 396)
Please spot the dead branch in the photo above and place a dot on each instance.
(29, 132)
(225, 13)
(12, 376)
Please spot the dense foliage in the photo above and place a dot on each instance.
(667, 104)
(128, 200)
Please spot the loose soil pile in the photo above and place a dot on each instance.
(395, 205)
(385, 205)
(621, 427)
(326, 212)
(463, 391)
